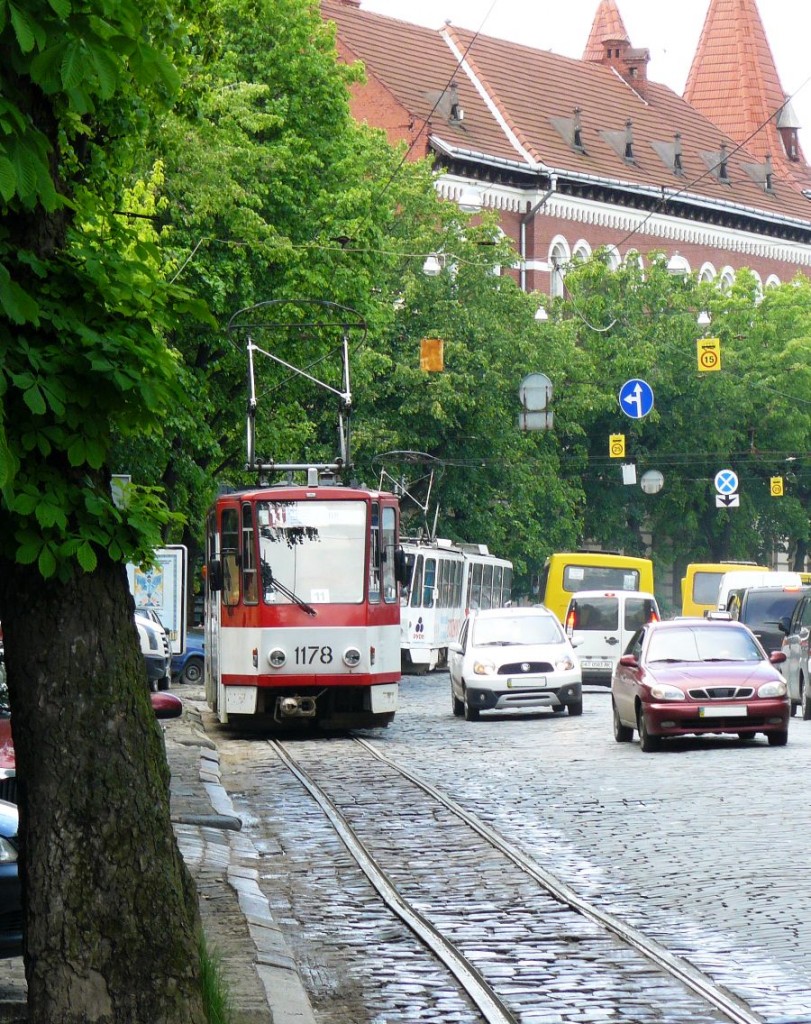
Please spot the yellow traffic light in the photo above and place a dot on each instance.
(616, 446)
(432, 355)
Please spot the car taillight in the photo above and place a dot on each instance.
(571, 620)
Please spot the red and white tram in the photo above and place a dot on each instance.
(302, 605)
(302, 595)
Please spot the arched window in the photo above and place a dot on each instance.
(772, 281)
(707, 273)
(582, 251)
(727, 279)
(559, 257)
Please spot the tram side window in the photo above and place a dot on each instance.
(487, 586)
(476, 586)
(389, 546)
(498, 601)
(374, 555)
(416, 583)
(229, 553)
(250, 580)
(429, 585)
(507, 588)
(458, 575)
(445, 570)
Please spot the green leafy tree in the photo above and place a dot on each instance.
(82, 357)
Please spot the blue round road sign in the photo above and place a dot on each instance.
(636, 398)
(726, 481)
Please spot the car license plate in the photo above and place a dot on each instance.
(724, 711)
(595, 663)
(526, 681)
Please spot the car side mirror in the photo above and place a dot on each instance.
(629, 660)
(784, 624)
(455, 647)
(777, 657)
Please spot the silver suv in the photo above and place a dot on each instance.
(795, 647)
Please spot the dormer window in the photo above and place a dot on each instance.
(577, 130)
(678, 166)
(723, 169)
(628, 152)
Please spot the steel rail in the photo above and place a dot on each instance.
(472, 981)
(675, 966)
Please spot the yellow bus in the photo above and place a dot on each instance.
(565, 573)
(700, 583)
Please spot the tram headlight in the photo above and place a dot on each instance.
(351, 657)
(276, 657)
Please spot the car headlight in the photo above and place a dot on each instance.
(484, 668)
(661, 691)
(565, 664)
(8, 852)
(776, 688)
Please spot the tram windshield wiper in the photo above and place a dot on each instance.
(271, 581)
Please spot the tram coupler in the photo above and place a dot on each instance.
(294, 707)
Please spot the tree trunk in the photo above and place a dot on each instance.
(111, 916)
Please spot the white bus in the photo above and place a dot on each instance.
(446, 581)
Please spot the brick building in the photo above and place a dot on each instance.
(578, 154)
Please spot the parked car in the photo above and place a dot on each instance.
(762, 609)
(11, 910)
(600, 624)
(694, 677)
(513, 658)
(155, 648)
(188, 666)
(795, 669)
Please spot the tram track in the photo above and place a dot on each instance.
(319, 775)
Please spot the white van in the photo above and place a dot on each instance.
(600, 624)
(740, 579)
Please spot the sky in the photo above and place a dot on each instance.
(669, 30)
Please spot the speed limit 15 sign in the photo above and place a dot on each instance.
(709, 354)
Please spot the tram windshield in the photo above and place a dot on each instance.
(316, 549)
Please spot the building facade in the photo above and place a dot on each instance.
(575, 155)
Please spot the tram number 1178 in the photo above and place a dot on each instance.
(310, 654)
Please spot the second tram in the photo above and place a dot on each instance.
(446, 581)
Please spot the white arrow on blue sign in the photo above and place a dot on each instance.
(726, 481)
(636, 398)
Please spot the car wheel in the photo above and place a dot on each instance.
(165, 682)
(192, 671)
(647, 743)
(457, 705)
(777, 739)
(576, 707)
(622, 733)
(471, 713)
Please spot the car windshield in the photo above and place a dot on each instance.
(767, 607)
(702, 644)
(517, 629)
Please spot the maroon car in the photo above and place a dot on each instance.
(698, 676)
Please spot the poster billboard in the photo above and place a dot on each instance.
(161, 587)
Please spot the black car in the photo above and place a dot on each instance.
(11, 910)
(762, 608)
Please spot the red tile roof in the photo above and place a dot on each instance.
(734, 82)
(519, 105)
(606, 27)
